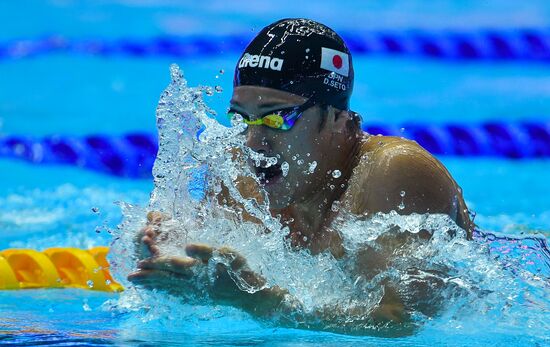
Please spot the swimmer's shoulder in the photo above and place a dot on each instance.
(397, 174)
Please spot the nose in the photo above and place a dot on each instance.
(257, 139)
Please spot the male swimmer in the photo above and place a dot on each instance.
(292, 86)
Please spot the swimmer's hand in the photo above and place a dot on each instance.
(231, 282)
(146, 238)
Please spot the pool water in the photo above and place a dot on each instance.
(76, 94)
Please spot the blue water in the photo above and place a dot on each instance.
(44, 206)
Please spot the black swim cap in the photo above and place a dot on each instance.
(302, 57)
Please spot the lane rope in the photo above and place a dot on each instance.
(133, 155)
(521, 44)
(57, 267)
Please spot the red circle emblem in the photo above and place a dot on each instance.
(337, 61)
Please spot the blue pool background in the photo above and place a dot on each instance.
(68, 93)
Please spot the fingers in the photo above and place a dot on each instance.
(146, 276)
(156, 217)
(148, 241)
(236, 260)
(199, 251)
(160, 280)
(177, 265)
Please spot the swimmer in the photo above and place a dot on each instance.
(292, 86)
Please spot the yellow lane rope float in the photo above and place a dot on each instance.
(57, 268)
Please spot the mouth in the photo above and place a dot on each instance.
(269, 175)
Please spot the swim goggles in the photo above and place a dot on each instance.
(282, 119)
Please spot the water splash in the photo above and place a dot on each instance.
(441, 276)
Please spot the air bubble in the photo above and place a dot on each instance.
(336, 173)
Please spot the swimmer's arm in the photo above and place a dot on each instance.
(407, 179)
(180, 276)
(388, 318)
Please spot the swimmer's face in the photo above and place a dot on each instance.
(305, 148)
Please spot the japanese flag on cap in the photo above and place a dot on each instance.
(336, 61)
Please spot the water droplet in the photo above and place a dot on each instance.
(336, 173)
(95, 209)
(284, 168)
(402, 193)
(219, 89)
(312, 167)
(307, 50)
(308, 154)
(90, 283)
(222, 71)
(401, 206)
(332, 187)
(294, 157)
(300, 161)
(107, 282)
(98, 229)
(335, 206)
(86, 307)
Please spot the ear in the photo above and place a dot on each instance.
(341, 119)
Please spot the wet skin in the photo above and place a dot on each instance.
(374, 172)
